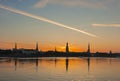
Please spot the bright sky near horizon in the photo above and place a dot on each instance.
(96, 17)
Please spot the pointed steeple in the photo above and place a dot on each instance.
(36, 46)
(110, 52)
(67, 48)
(55, 49)
(88, 51)
(15, 46)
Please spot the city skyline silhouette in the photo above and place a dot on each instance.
(53, 25)
(59, 40)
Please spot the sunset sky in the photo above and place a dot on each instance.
(77, 22)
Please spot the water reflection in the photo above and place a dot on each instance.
(56, 61)
(88, 60)
(69, 68)
(36, 64)
(67, 64)
(110, 61)
(15, 64)
(38, 61)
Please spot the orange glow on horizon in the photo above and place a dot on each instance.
(42, 48)
(48, 47)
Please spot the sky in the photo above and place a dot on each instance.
(52, 23)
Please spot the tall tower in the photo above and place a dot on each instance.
(15, 46)
(88, 51)
(110, 52)
(67, 48)
(36, 46)
(55, 49)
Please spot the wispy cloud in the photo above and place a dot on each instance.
(106, 25)
(81, 3)
(41, 3)
(44, 19)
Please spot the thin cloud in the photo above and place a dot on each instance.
(106, 25)
(41, 3)
(81, 3)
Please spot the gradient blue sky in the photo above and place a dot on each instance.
(80, 14)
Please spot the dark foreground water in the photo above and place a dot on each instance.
(59, 69)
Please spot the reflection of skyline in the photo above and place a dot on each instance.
(37, 61)
(57, 62)
(88, 60)
(67, 64)
(110, 60)
(36, 64)
(15, 64)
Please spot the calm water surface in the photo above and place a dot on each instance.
(59, 69)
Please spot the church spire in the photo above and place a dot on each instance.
(55, 49)
(110, 52)
(88, 49)
(15, 46)
(67, 48)
(36, 46)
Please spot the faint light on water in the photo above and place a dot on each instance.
(79, 80)
(54, 69)
(75, 80)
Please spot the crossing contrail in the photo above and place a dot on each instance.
(44, 19)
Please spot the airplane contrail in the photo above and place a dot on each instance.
(44, 19)
(106, 25)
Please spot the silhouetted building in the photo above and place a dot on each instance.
(55, 49)
(37, 46)
(27, 51)
(67, 48)
(15, 48)
(110, 52)
(88, 51)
